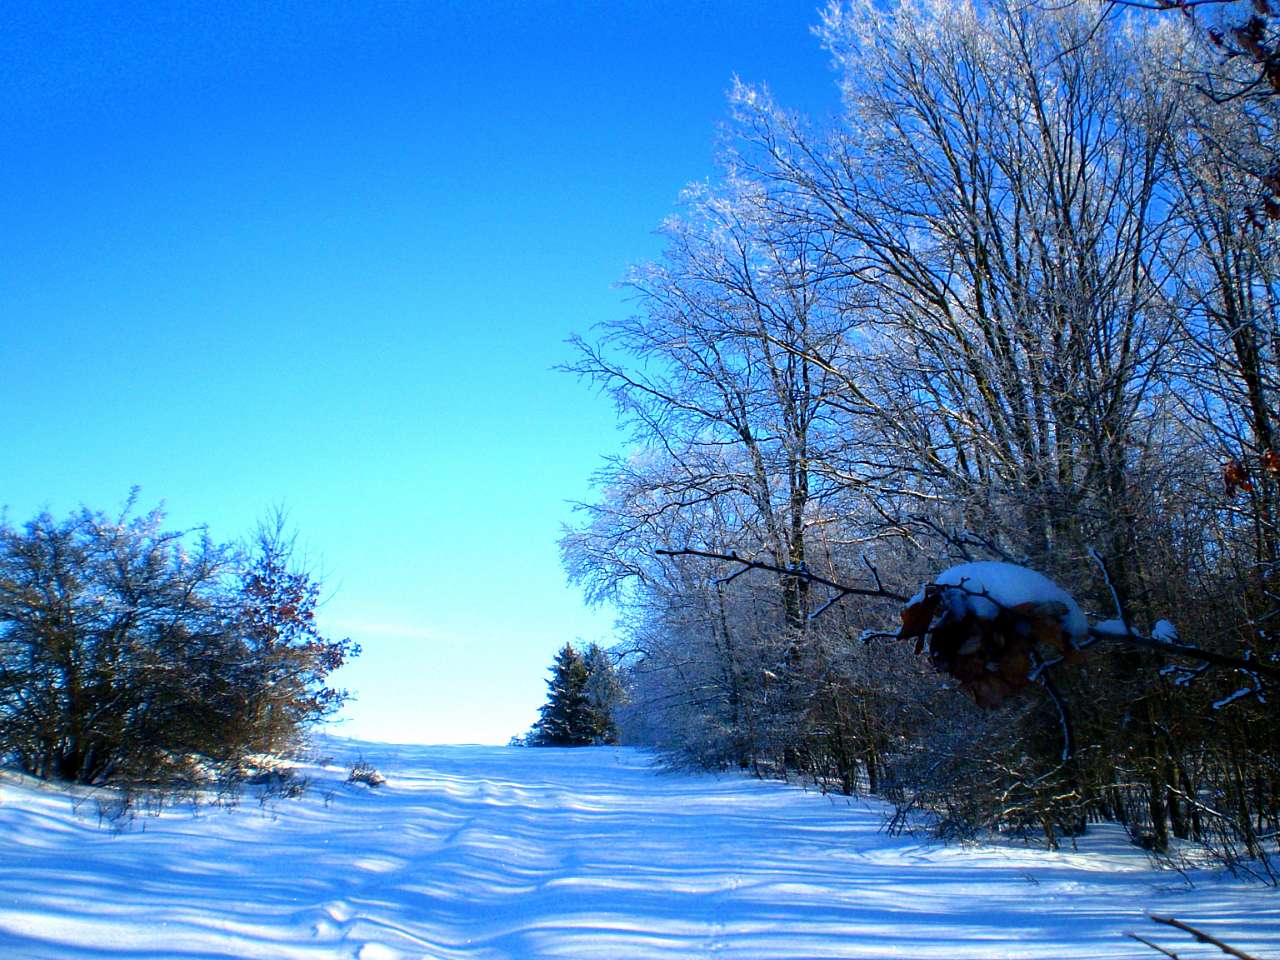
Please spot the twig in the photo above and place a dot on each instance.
(1202, 937)
(875, 574)
(844, 590)
(1096, 557)
(1045, 681)
(1135, 639)
(1154, 946)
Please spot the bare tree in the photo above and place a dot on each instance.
(998, 198)
(712, 371)
(1007, 309)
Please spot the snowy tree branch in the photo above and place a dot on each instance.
(842, 590)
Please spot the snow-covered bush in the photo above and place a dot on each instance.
(362, 771)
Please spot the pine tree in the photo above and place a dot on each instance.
(604, 690)
(569, 717)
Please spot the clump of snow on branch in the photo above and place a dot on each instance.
(988, 587)
(994, 627)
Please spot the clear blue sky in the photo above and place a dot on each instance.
(325, 255)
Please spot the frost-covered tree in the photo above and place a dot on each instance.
(996, 200)
(1017, 304)
(1234, 70)
(713, 373)
(604, 692)
(737, 425)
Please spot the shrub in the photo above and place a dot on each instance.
(364, 772)
(131, 653)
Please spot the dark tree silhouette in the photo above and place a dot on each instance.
(572, 716)
(133, 653)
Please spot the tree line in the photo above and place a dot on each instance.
(1020, 302)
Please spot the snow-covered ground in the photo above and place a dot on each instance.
(486, 852)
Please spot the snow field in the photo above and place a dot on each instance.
(488, 852)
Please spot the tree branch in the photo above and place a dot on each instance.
(1134, 639)
(1202, 937)
(1192, 653)
(842, 589)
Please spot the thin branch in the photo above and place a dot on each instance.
(750, 564)
(1191, 653)
(843, 590)
(1154, 946)
(1202, 937)
(1106, 576)
(1064, 718)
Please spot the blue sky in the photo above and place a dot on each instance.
(325, 255)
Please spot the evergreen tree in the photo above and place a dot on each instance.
(572, 716)
(604, 690)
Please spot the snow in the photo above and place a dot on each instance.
(1010, 585)
(1233, 697)
(1113, 628)
(490, 852)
